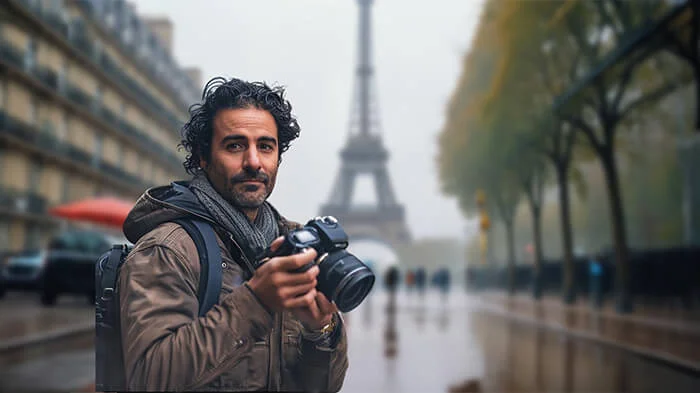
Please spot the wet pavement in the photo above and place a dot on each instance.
(421, 344)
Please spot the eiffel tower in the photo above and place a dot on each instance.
(364, 154)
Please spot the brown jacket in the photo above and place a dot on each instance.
(237, 346)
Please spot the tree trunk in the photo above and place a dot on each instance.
(536, 211)
(565, 215)
(622, 274)
(510, 238)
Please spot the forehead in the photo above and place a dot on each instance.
(252, 122)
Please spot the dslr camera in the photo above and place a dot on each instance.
(343, 278)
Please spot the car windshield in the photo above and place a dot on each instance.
(27, 257)
(79, 241)
(27, 253)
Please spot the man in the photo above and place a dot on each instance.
(271, 329)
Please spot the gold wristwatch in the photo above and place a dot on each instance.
(329, 327)
(322, 334)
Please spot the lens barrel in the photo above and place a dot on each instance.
(345, 280)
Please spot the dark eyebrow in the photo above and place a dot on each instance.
(268, 139)
(240, 138)
(232, 138)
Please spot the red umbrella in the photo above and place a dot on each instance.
(107, 211)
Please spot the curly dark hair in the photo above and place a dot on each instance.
(220, 93)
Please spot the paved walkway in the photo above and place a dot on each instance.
(675, 340)
(23, 321)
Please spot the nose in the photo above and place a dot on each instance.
(252, 159)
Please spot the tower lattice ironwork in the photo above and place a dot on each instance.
(365, 154)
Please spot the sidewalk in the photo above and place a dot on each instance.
(24, 322)
(673, 339)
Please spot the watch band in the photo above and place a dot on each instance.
(322, 334)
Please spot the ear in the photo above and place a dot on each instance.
(202, 164)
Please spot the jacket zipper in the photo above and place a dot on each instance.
(269, 359)
(280, 348)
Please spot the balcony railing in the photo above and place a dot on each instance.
(48, 143)
(22, 201)
(81, 41)
(11, 55)
(78, 97)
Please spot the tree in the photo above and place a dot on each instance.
(595, 28)
(537, 65)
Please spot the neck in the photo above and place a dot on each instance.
(251, 214)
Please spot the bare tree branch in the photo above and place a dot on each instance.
(622, 86)
(650, 97)
(587, 130)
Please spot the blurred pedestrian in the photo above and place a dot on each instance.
(595, 270)
(410, 280)
(420, 281)
(391, 282)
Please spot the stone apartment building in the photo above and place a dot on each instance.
(91, 104)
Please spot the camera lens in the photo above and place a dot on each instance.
(345, 280)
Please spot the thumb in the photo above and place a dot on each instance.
(276, 243)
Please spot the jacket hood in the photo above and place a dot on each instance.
(162, 204)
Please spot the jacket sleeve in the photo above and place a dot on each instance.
(166, 345)
(323, 370)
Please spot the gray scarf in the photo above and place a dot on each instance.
(254, 236)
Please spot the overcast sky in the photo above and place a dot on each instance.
(310, 47)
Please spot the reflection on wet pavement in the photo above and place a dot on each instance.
(432, 346)
(522, 358)
(404, 344)
(22, 315)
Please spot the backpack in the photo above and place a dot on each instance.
(110, 374)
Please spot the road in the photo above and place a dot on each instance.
(427, 345)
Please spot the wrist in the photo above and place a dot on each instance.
(321, 332)
(317, 326)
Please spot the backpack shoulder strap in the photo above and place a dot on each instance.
(209, 253)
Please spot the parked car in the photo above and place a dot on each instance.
(70, 265)
(22, 271)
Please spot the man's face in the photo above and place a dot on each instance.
(244, 156)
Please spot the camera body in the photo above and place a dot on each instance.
(343, 278)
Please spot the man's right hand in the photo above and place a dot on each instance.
(278, 287)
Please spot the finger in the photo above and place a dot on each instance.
(305, 301)
(276, 243)
(290, 292)
(324, 305)
(313, 307)
(282, 279)
(293, 262)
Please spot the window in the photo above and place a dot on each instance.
(34, 111)
(53, 6)
(35, 176)
(63, 76)
(120, 155)
(65, 188)
(4, 235)
(97, 50)
(2, 165)
(97, 154)
(32, 240)
(62, 129)
(3, 93)
(30, 54)
(97, 100)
